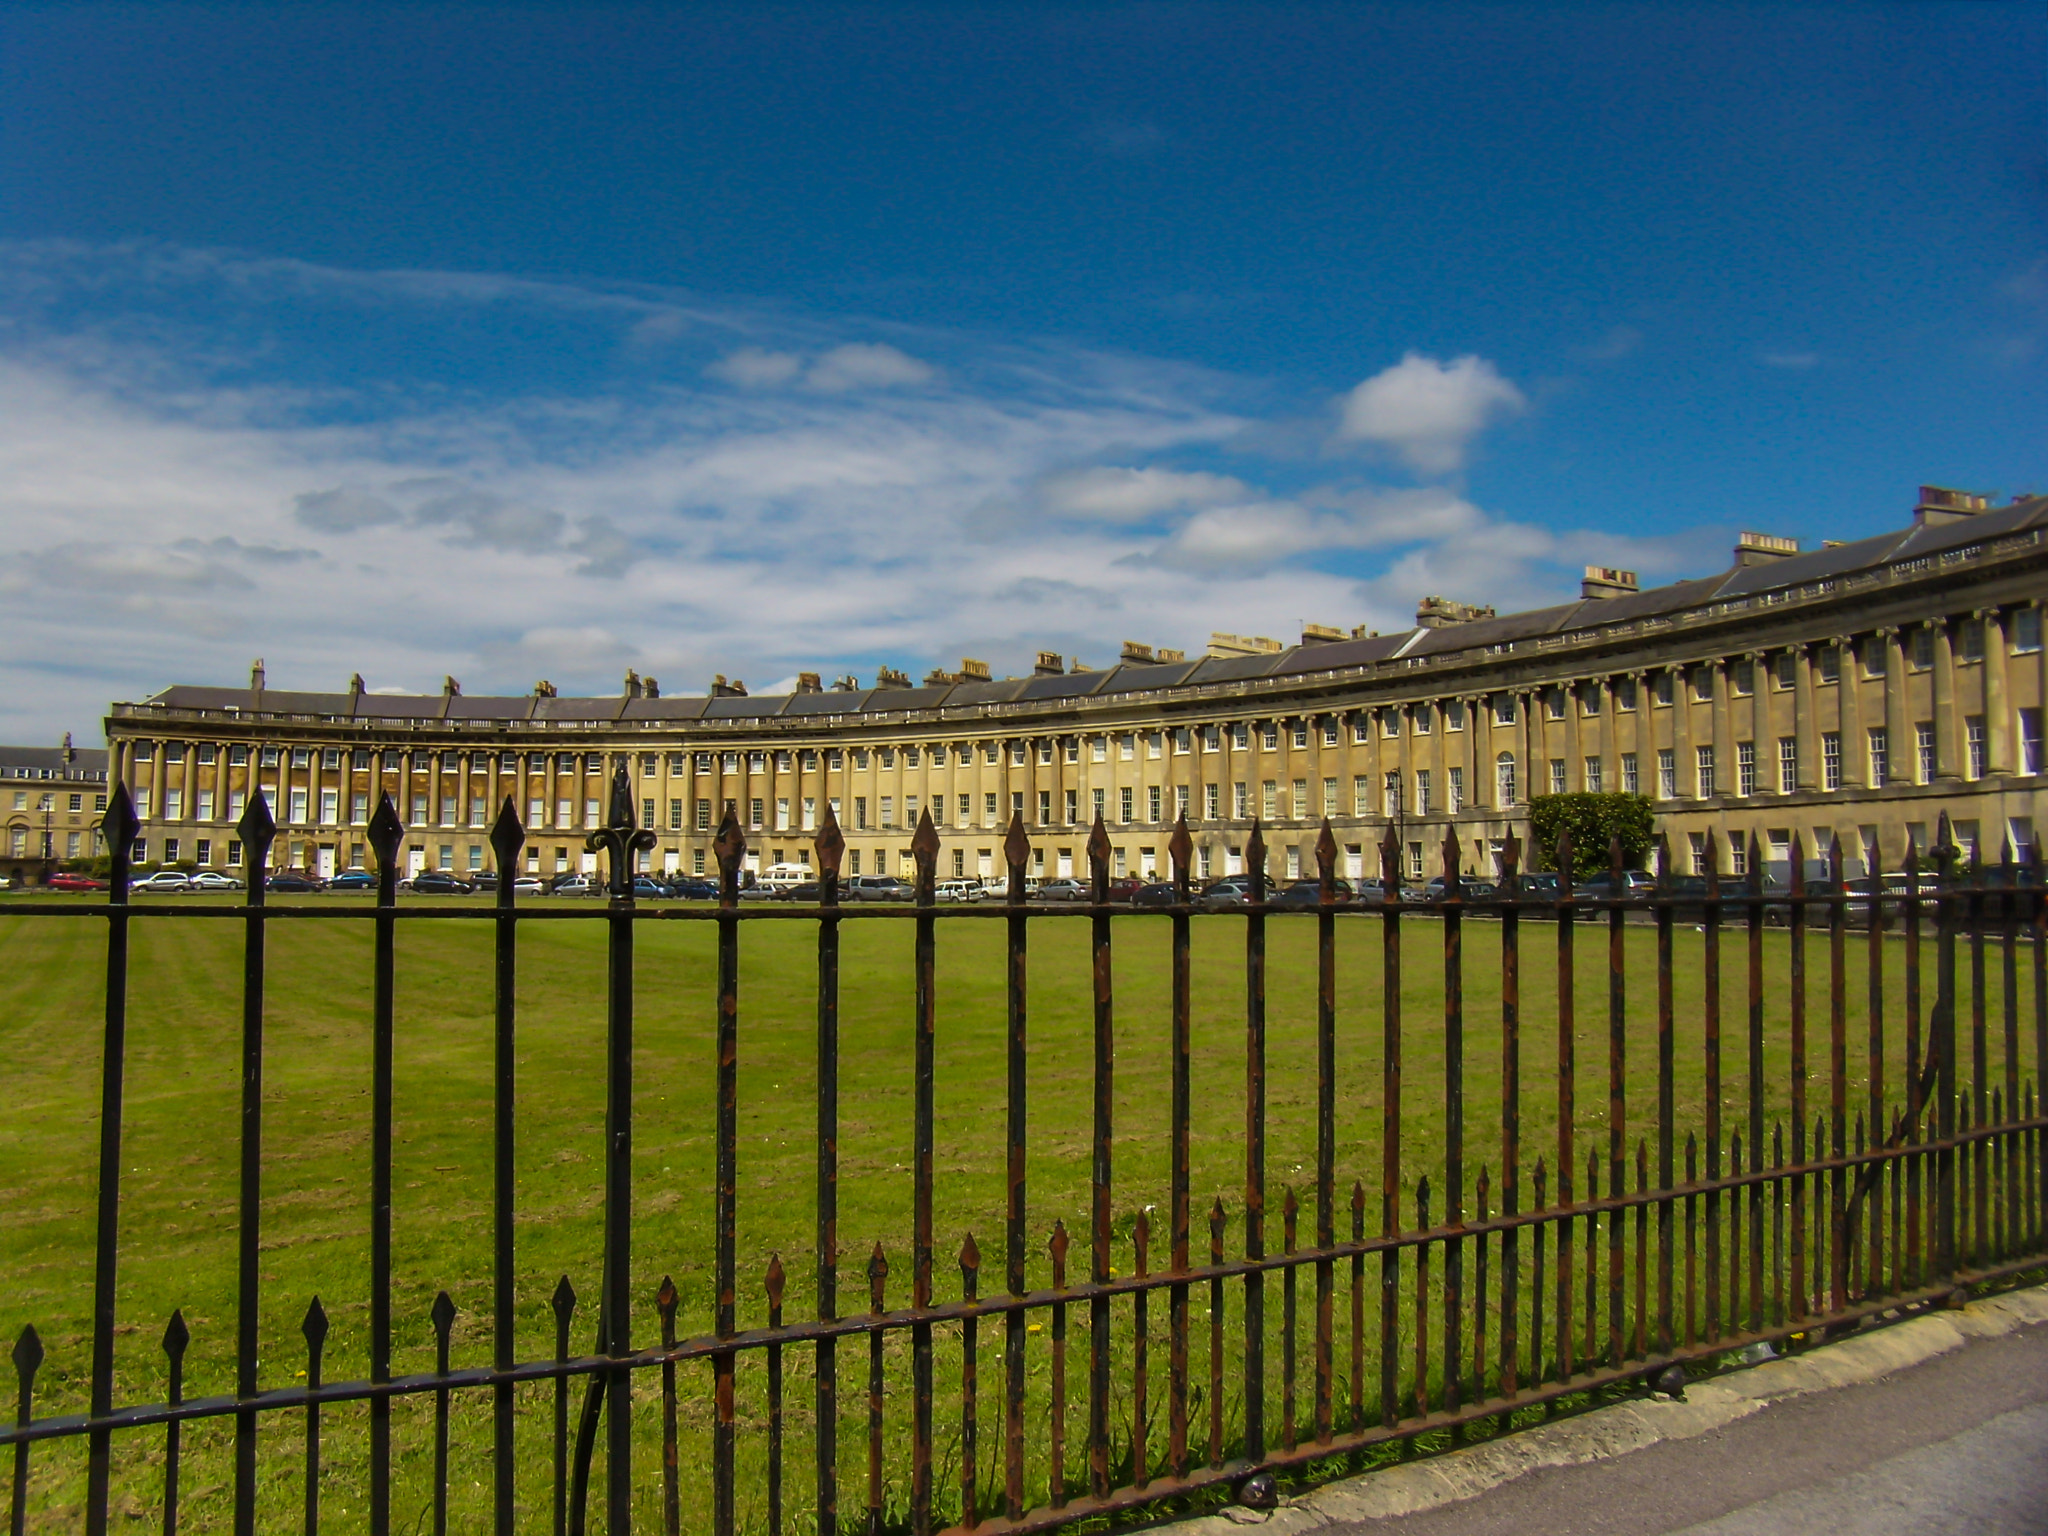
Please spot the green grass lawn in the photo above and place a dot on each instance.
(180, 1153)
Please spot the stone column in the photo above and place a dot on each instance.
(1996, 695)
(1684, 766)
(1849, 716)
(1948, 741)
(1805, 727)
(1898, 723)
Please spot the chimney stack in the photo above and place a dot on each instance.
(847, 684)
(649, 688)
(809, 682)
(889, 677)
(543, 689)
(632, 684)
(1050, 664)
(256, 675)
(1604, 581)
(721, 689)
(1442, 613)
(1320, 634)
(972, 671)
(1940, 506)
(1752, 549)
(450, 689)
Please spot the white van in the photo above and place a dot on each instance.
(780, 877)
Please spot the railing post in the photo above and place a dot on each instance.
(507, 837)
(1016, 852)
(1102, 1160)
(1942, 1029)
(831, 847)
(119, 828)
(924, 849)
(387, 835)
(730, 847)
(1255, 1149)
(256, 829)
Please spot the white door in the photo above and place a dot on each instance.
(415, 860)
(326, 867)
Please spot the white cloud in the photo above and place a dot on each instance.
(866, 365)
(756, 368)
(1133, 495)
(1426, 411)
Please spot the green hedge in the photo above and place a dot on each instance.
(1593, 821)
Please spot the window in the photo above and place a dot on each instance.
(1329, 797)
(675, 815)
(1390, 795)
(1553, 703)
(593, 814)
(1240, 800)
(1456, 776)
(1301, 735)
(1155, 744)
(1558, 782)
(2026, 631)
(1923, 746)
(1972, 636)
(205, 803)
(1415, 861)
(269, 756)
(1785, 670)
(989, 809)
(1745, 767)
(1330, 729)
(1503, 709)
(1269, 798)
(1742, 677)
(1880, 753)
(889, 808)
(1454, 715)
(1876, 656)
(1973, 741)
(860, 813)
(1126, 804)
(1704, 757)
(174, 752)
(1211, 796)
(909, 811)
(1422, 806)
(1631, 781)
(1667, 774)
(1269, 737)
(966, 818)
(704, 815)
(1390, 722)
(1923, 647)
(330, 806)
(1504, 777)
(1294, 863)
(1830, 760)
(1788, 764)
(170, 850)
(1044, 809)
(781, 813)
(1703, 682)
(238, 754)
(1180, 799)
(1359, 796)
(1127, 746)
(1073, 806)
(1828, 662)
(1183, 741)
(1298, 805)
(1660, 688)
(1593, 775)
(1152, 804)
(1212, 738)
(1625, 695)
(297, 813)
(1738, 856)
(2030, 737)
(1361, 726)
(1239, 735)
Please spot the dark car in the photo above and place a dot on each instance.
(438, 882)
(1158, 894)
(70, 880)
(1063, 889)
(1308, 893)
(290, 880)
(484, 880)
(353, 880)
(647, 888)
(1601, 887)
(694, 888)
(1124, 887)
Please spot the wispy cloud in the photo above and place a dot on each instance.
(744, 494)
(1794, 362)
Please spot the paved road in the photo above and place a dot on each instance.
(1957, 1445)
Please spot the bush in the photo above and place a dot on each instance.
(1593, 822)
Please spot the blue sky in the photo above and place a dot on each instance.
(520, 342)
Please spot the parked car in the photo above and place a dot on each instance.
(438, 882)
(483, 880)
(1062, 889)
(1601, 887)
(353, 880)
(1160, 893)
(574, 884)
(163, 880)
(528, 885)
(1124, 887)
(954, 890)
(693, 888)
(70, 880)
(647, 888)
(992, 888)
(876, 888)
(214, 880)
(1230, 891)
(290, 880)
(1308, 893)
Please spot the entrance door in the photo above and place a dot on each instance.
(326, 861)
(415, 861)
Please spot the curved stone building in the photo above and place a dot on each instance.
(1859, 690)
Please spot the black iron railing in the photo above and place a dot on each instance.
(1487, 1295)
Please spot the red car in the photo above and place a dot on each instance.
(66, 880)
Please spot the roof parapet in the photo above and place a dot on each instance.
(1753, 549)
(1604, 581)
(1442, 613)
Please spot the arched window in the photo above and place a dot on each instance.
(1504, 777)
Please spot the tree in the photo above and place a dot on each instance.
(1593, 822)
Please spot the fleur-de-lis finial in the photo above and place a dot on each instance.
(620, 837)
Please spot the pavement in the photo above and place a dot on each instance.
(1934, 1425)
